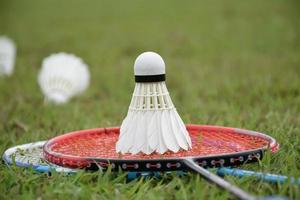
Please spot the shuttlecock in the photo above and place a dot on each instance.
(63, 76)
(152, 123)
(7, 56)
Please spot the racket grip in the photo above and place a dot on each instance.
(270, 178)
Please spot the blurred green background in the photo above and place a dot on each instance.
(233, 63)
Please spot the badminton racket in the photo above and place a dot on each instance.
(213, 146)
(30, 155)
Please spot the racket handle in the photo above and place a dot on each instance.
(268, 178)
(236, 191)
(271, 178)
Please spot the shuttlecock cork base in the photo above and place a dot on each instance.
(152, 123)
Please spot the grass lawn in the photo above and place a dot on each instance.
(232, 63)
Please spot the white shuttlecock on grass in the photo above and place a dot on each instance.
(63, 76)
(152, 123)
(7, 56)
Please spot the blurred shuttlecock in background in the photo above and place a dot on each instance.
(7, 56)
(63, 76)
(152, 123)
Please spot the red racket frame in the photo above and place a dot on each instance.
(155, 163)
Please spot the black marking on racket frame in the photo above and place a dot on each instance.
(174, 164)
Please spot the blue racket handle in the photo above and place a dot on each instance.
(270, 178)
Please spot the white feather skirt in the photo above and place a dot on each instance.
(152, 123)
(63, 76)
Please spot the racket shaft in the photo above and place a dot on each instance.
(271, 178)
(239, 193)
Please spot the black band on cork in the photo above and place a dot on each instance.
(150, 78)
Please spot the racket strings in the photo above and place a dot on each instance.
(206, 141)
(233, 142)
(30, 155)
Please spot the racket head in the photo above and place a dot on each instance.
(30, 155)
(213, 146)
